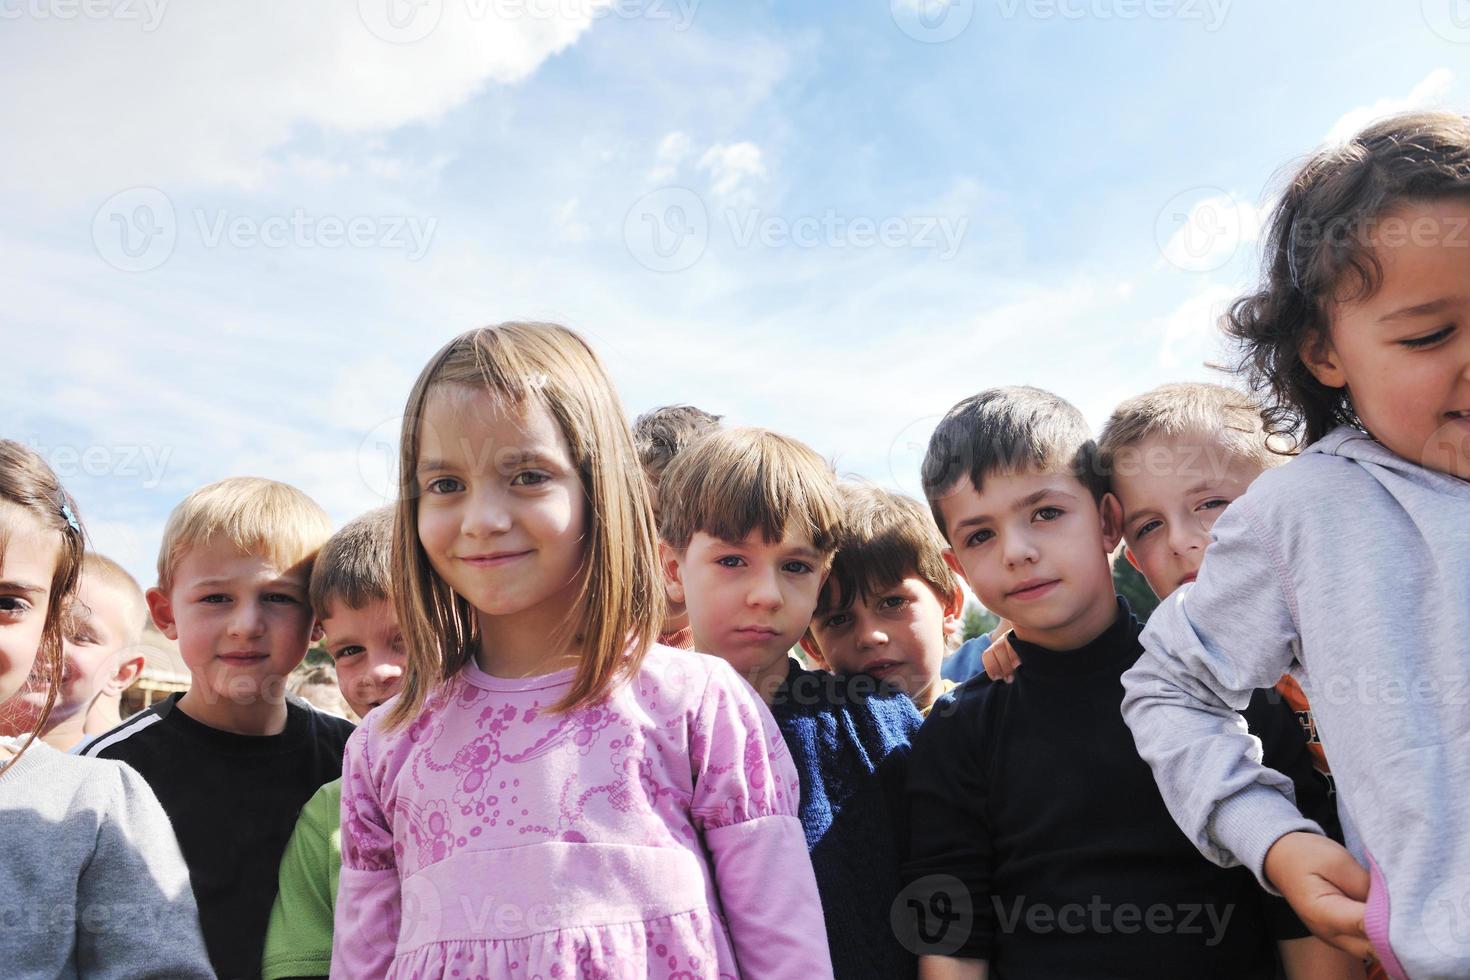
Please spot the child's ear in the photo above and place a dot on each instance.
(316, 631)
(955, 566)
(1320, 358)
(809, 644)
(161, 608)
(1128, 553)
(1111, 512)
(955, 607)
(127, 672)
(670, 562)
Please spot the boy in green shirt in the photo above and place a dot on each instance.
(350, 594)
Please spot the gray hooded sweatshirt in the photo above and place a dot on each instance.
(1357, 563)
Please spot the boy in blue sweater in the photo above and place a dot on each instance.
(1040, 846)
(749, 521)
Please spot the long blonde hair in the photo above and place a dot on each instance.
(620, 599)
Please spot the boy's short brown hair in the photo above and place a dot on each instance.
(258, 516)
(1213, 411)
(734, 481)
(886, 538)
(663, 433)
(354, 566)
(1009, 430)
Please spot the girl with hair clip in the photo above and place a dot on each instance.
(1353, 559)
(552, 794)
(91, 879)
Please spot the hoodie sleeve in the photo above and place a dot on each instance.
(1206, 649)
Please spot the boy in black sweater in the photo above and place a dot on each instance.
(1040, 846)
(232, 759)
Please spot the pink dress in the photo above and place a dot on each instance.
(653, 835)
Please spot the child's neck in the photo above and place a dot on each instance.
(259, 716)
(1092, 623)
(513, 647)
(65, 735)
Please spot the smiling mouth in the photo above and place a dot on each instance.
(491, 561)
(1033, 590)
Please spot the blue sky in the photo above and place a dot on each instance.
(235, 231)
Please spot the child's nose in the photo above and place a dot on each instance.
(765, 591)
(486, 514)
(247, 620)
(1187, 536)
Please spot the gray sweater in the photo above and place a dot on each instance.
(1358, 563)
(91, 880)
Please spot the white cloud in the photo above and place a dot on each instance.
(1429, 92)
(216, 87)
(1213, 231)
(569, 228)
(672, 150)
(730, 165)
(1190, 334)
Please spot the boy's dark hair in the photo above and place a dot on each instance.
(354, 566)
(662, 433)
(737, 480)
(1009, 430)
(886, 538)
(1320, 251)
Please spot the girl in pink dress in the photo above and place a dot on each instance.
(553, 795)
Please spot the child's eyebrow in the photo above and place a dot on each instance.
(427, 465)
(1030, 500)
(24, 588)
(1422, 309)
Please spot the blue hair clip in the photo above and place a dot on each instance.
(70, 518)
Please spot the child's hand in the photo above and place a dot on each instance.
(1325, 886)
(1000, 659)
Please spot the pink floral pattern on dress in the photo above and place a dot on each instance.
(507, 840)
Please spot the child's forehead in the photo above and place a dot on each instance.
(793, 538)
(1195, 457)
(27, 548)
(455, 412)
(223, 561)
(373, 614)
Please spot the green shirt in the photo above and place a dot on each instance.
(298, 942)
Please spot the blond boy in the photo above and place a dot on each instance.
(233, 759)
(100, 638)
(351, 593)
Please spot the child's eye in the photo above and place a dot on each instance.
(1213, 504)
(444, 484)
(1430, 340)
(796, 567)
(215, 598)
(837, 620)
(13, 606)
(529, 479)
(892, 602)
(979, 537)
(730, 561)
(1049, 513)
(1148, 528)
(280, 597)
(346, 652)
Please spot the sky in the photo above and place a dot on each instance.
(235, 231)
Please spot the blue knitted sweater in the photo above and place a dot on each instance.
(849, 738)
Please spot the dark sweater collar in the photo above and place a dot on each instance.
(298, 724)
(1113, 650)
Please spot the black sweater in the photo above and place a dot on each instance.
(1039, 840)
(233, 800)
